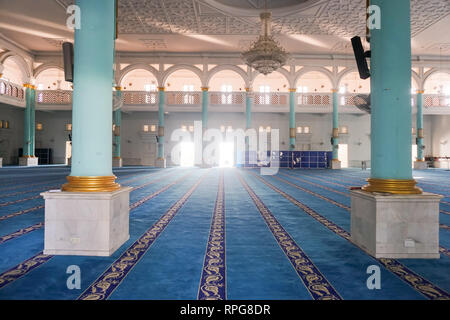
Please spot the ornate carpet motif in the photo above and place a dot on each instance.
(105, 285)
(213, 280)
(417, 282)
(21, 232)
(316, 283)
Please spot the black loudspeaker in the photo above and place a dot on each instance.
(68, 61)
(360, 57)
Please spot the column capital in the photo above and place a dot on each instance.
(292, 90)
(118, 88)
(333, 90)
(1, 74)
(161, 88)
(420, 91)
(248, 89)
(29, 85)
(205, 89)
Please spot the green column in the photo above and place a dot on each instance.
(292, 133)
(335, 124)
(248, 108)
(205, 107)
(391, 167)
(117, 115)
(27, 122)
(32, 121)
(419, 129)
(161, 102)
(92, 103)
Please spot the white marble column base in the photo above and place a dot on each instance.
(117, 162)
(396, 226)
(28, 162)
(160, 163)
(335, 164)
(420, 165)
(86, 223)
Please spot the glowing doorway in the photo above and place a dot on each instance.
(226, 158)
(187, 154)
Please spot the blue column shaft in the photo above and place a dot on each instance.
(291, 119)
(92, 103)
(26, 124)
(248, 110)
(118, 122)
(335, 124)
(32, 121)
(391, 92)
(419, 129)
(205, 108)
(161, 123)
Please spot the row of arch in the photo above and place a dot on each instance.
(333, 79)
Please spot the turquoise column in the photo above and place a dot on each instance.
(161, 102)
(205, 107)
(292, 132)
(32, 120)
(92, 103)
(248, 108)
(335, 124)
(117, 115)
(391, 167)
(419, 126)
(27, 122)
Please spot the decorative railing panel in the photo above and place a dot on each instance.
(436, 100)
(11, 90)
(54, 97)
(140, 97)
(271, 98)
(314, 99)
(226, 98)
(183, 98)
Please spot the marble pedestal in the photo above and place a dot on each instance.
(396, 226)
(420, 165)
(1, 162)
(335, 164)
(86, 223)
(117, 162)
(160, 163)
(28, 162)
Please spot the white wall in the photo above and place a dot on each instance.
(441, 135)
(11, 139)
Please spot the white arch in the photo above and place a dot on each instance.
(138, 66)
(230, 67)
(306, 70)
(281, 71)
(431, 72)
(46, 66)
(21, 63)
(177, 67)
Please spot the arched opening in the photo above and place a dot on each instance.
(314, 88)
(267, 87)
(183, 87)
(437, 88)
(12, 71)
(52, 79)
(223, 86)
(139, 86)
(352, 83)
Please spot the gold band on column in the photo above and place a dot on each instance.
(292, 133)
(91, 184)
(394, 186)
(29, 85)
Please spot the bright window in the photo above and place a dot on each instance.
(188, 98)
(299, 130)
(343, 130)
(145, 128)
(226, 95)
(266, 97)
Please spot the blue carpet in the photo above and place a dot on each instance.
(255, 265)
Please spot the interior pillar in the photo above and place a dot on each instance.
(420, 160)
(161, 160)
(28, 158)
(335, 163)
(391, 217)
(91, 216)
(117, 115)
(292, 132)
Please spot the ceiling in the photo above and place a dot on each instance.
(207, 26)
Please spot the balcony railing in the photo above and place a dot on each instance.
(226, 98)
(181, 98)
(11, 90)
(140, 97)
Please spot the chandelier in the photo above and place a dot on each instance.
(265, 54)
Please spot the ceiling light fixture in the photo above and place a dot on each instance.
(265, 54)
